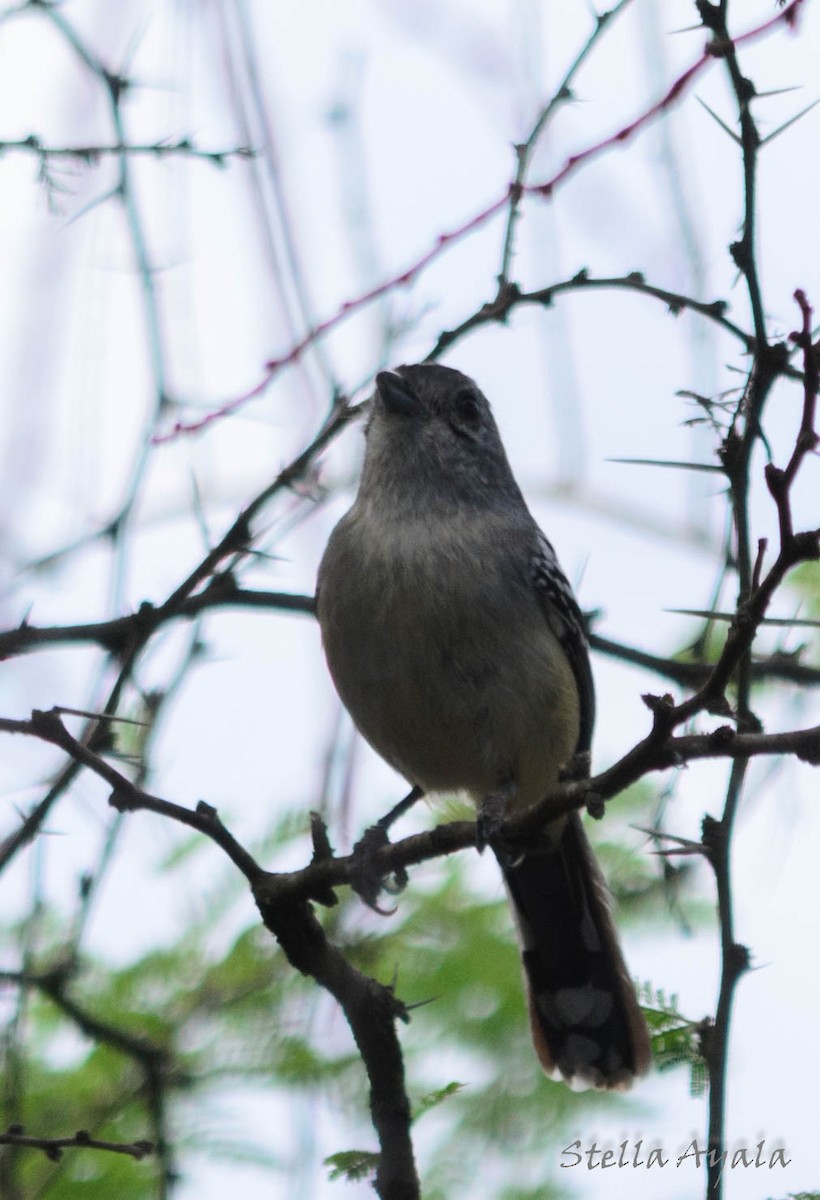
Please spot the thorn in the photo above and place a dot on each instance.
(92, 204)
(659, 462)
(798, 87)
(713, 615)
(770, 137)
(719, 120)
(62, 710)
(683, 846)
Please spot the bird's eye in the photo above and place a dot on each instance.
(467, 410)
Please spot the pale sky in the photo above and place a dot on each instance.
(390, 124)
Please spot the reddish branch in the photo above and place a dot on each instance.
(780, 481)
(284, 899)
(715, 49)
(658, 751)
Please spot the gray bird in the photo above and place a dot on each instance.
(457, 646)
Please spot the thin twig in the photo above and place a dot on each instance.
(53, 1147)
(524, 151)
(91, 154)
(444, 241)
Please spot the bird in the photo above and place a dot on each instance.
(457, 646)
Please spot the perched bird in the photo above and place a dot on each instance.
(457, 646)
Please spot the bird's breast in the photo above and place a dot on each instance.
(441, 654)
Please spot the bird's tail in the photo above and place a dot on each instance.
(586, 1023)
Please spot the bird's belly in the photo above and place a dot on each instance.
(454, 698)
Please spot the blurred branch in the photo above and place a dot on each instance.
(121, 634)
(785, 667)
(513, 191)
(241, 50)
(53, 1147)
(117, 87)
(154, 1062)
(524, 151)
(182, 147)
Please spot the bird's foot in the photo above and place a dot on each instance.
(577, 768)
(369, 878)
(491, 814)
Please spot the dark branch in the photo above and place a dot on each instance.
(53, 1147)
(657, 752)
(122, 634)
(181, 147)
(510, 297)
(372, 1010)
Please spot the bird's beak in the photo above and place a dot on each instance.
(396, 396)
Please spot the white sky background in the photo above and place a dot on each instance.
(428, 99)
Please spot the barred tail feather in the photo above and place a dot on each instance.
(587, 1026)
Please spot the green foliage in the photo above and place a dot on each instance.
(802, 1196)
(432, 1099)
(646, 887)
(211, 1007)
(539, 1192)
(454, 955)
(88, 1175)
(804, 580)
(352, 1165)
(675, 1038)
(222, 1004)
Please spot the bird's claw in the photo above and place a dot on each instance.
(489, 821)
(367, 879)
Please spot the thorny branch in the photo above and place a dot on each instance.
(179, 148)
(653, 753)
(511, 197)
(755, 593)
(524, 151)
(120, 635)
(116, 88)
(285, 899)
